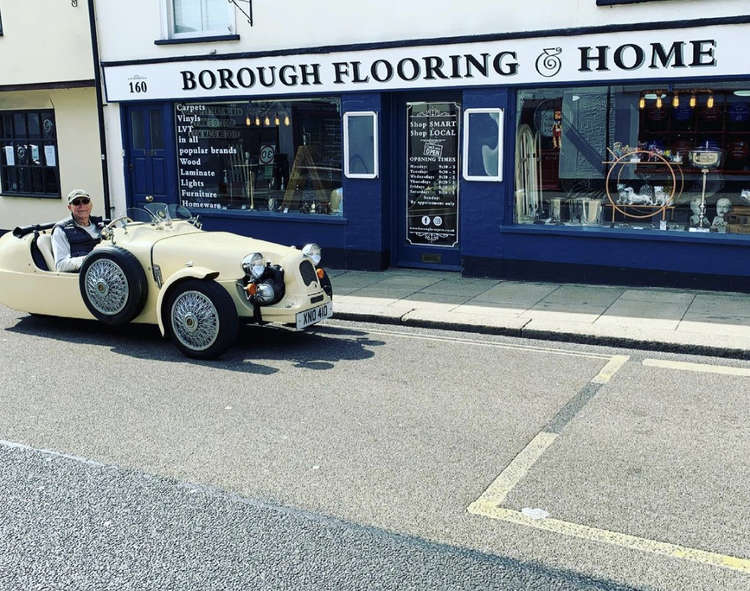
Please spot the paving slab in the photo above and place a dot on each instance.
(381, 291)
(658, 295)
(584, 294)
(516, 293)
(640, 310)
(469, 287)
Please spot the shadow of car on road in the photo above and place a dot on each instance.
(314, 350)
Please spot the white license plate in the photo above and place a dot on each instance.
(314, 315)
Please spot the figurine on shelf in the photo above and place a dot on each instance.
(723, 206)
(745, 194)
(628, 196)
(557, 130)
(660, 195)
(698, 219)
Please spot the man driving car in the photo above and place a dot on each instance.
(75, 236)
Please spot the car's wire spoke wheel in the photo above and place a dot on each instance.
(107, 287)
(195, 320)
(113, 285)
(201, 317)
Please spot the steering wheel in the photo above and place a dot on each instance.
(106, 231)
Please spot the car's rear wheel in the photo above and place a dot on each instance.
(201, 318)
(113, 285)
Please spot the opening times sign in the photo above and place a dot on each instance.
(432, 174)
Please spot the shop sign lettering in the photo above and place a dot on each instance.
(584, 58)
(631, 56)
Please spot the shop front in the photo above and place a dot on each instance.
(619, 156)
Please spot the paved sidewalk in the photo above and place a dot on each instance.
(694, 321)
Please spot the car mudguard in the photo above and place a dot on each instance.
(186, 273)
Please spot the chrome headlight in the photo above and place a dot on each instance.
(265, 293)
(254, 265)
(312, 251)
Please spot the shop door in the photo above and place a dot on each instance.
(427, 208)
(151, 162)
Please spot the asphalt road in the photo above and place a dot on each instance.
(350, 458)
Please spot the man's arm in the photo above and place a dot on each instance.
(61, 251)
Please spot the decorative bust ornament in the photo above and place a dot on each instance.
(723, 206)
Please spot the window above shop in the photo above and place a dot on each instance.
(187, 21)
(28, 154)
(611, 2)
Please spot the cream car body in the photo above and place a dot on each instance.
(170, 252)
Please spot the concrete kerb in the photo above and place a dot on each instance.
(646, 344)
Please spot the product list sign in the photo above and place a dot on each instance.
(208, 144)
(432, 178)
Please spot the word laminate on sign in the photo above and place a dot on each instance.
(583, 58)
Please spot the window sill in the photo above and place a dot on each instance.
(32, 195)
(624, 234)
(204, 39)
(248, 214)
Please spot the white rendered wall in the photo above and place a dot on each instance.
(44, 41)
(128, 29)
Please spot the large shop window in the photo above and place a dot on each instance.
(28, 154)
(275, 156)
(661, 158)
(193, 18)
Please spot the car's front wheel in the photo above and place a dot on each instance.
(201, 318)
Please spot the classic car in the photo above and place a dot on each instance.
(156, 265)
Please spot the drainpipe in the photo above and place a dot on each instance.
(100, 108)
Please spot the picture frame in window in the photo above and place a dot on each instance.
(483, 144)
(361, 145)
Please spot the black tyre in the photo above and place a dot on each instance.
(113, 285)
(201, 318)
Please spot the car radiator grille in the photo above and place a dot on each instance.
(307, 271)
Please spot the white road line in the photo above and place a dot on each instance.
(699, 367)
(517, 347)
(615, 363)
(49, 452)
(515, 471)
(595, 534)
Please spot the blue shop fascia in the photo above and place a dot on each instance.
(614, 154)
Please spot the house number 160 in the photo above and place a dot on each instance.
(139, 86)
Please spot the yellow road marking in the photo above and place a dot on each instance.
(615, 363)
(594, 534)
(700, 367)
(516, 470)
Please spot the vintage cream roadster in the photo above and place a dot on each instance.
(157, 266)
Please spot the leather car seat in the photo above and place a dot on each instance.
(44, 242)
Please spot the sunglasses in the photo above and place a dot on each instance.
(81, 201)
